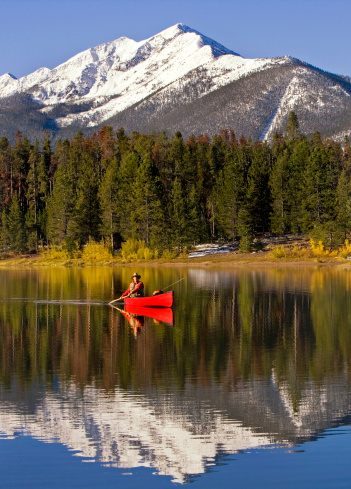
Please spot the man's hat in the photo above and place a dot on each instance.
(136, 275)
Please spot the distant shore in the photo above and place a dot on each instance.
(215, 260)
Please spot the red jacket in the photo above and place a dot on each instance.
(138, 288)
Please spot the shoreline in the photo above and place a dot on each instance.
(260, 260)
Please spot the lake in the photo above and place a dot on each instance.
(246, 383)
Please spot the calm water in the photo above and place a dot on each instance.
(247, 384)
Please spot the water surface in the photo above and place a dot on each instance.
(248, 386)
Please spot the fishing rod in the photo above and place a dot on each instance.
(165, 288)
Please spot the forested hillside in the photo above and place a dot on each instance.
(172, 192)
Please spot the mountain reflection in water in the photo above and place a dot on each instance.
(254, 359)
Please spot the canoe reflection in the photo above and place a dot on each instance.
(164, 314)
(136, 315)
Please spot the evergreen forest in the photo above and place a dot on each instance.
(170, 192)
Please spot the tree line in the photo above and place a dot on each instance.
(170, 192)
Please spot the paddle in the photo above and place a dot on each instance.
(116, 300)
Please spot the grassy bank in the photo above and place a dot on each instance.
(279, 250)
(273, 257)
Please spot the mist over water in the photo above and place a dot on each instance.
(254, 360)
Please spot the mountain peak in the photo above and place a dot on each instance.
(7, 80)
(7, 77)
(181, 29)
(176, 79)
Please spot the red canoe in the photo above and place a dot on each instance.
(161, 300)
(163, 314)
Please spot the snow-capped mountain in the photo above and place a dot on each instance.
(175, 80)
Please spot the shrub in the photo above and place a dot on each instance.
(300, 252)
(72, 247)
(148, 254)
(183, 254)
(278, 252)
(136, 249)
(319, 250)
(56, 253)
(345, 251)
(129, 249)
(245, 244)
(168, 255)
(93, 252)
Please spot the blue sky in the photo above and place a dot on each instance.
(36, 33)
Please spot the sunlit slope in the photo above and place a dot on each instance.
(256, 105)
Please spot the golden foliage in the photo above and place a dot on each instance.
(345, 251)
(96, 252)
(168, 255)
(319, 250)
(135, 250)
(278, 252)
(56, 253)
(285, 252)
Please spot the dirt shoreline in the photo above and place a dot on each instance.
(257, 260)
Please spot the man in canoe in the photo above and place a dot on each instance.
(135, 289)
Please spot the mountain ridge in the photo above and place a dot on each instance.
(174, 72)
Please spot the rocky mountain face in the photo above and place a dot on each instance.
(176, 80)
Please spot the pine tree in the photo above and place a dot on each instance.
(258, 197)
(280, 189)
(61, 204)
(230, 193)
(109, 202)
(21, 152)
(347, 155)
(343, 203)
(122, 142)
(298, 159)
(245, 229)
(292, 128)
(85, 222)
(14, 227)
(204, 186)
(5, 237)
(32, 194)
(194, 217)
(6, 171)
(320, 182)
(147, 217)
(127, 175)
(178, 216)
(46, 152)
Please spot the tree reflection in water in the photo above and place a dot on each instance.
(264, 351)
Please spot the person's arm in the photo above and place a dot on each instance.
(126, 292)
(139, 286)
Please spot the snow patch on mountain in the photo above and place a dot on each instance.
(107, 69)
(301, 92)
(141, 69)
(228, 69)
(7, 80)
(171, 79)
(10, 85)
